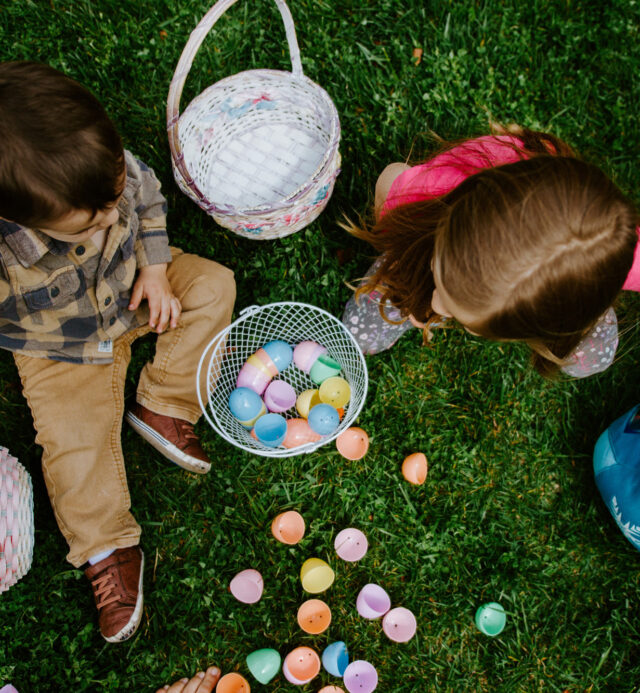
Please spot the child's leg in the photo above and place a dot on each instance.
(77, 412)
(207, 293)
(370, 330)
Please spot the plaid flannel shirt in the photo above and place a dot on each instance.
(68, 302)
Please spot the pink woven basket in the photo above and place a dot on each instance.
(258, 151)
(16, 520)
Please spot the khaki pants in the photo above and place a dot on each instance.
(78, 409)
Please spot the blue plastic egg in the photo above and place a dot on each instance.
(335, 658)
(246, 406)
(323, 419)
(271, 429)
(280, 353)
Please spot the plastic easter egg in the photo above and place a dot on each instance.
(301, 665)
(288, 527)
(335, 391)
(353, 443)
(399, 624)
(233, 683)
(299, 433)
(331, 689)
(306, 354)
(360, 677)
(262, 360)
(351, 544)
(306, 400)
(491, 619)
(316, 575)
(324, 367)
(263, 363)
(246, 406)
(335, 658)
(414, 468)
(247, 586)
(253, 378)
(271, 429)
(372, 601)
(280, 352)
(279, 396)
(314, 616)
(264, 664)
(323, 419)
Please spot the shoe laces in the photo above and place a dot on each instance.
(103, 586)
(186, 430)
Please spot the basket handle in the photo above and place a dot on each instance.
(182, 70)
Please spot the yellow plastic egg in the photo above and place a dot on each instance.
(335, 391)
(316, 575)
(306, 400)
(414, 468)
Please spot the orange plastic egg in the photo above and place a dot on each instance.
(303, 663)
(353, 443)
(314, 616)
(288, 527)
(331, 689)
(299, 433)
(233, 683)
(414, 468)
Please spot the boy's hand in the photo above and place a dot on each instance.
(164, 307)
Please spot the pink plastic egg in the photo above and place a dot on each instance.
(353, 443)
(247, 586)
(399, 624)
(299, 433)
(414, 468)
(306, 354)
(279, 396)
(351, 544)
(254, 378)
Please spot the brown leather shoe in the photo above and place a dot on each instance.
(117, 589)
(174, 438)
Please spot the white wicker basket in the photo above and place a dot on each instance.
(225, 355)
(258, 151)
(16, 521)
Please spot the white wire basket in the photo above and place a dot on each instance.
(293, 323)
(16, 521)
(258, 151)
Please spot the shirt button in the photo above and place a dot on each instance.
(80, 250)
(107, 300)
(55, 291)
(112, 321)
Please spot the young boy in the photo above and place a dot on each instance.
(85, 269)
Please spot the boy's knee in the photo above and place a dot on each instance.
(198, 281)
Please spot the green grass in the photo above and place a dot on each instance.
(509, 511)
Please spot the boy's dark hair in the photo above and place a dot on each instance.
(60, 151)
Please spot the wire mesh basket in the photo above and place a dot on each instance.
(293, 323)
(258, 151)
(16, 520)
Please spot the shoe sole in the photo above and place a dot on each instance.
(165, 448)
(132, 626)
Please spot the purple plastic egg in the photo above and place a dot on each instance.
(279, 396)
(360, 677)
(373, 601)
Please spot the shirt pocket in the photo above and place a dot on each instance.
(60, 289)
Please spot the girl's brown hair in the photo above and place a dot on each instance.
(60, 151)
(537, 249)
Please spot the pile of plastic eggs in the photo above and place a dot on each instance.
(270, 407)
(302, 664)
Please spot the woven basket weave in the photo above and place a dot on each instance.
(16, 520)
(258, 151)
(292, 322)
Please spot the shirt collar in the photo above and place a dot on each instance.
(30, 245)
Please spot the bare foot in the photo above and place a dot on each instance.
(202, 682)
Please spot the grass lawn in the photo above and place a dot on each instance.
(509, 511)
